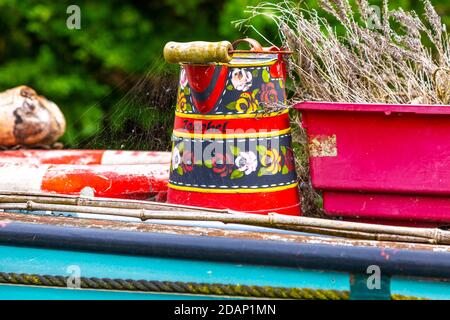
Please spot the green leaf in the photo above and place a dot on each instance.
(230, 87)
(255, 73)
(285, 169)
(262, 172)
(261, 149)
(198, 163)
(235, 150)
(236, 174)
(180, 171)
(188, 107)
(255, 92)
(231, 106)
(283, 150)
(208, 163)
(265, 76)
(187, 91)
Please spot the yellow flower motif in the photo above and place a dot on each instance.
(272, 161)
(182, 102)
(247, 103)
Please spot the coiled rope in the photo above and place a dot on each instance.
(181, 287)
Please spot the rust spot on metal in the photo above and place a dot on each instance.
(322, 146)
(211, 232)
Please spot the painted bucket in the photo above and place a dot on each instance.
(382, 163)
(229, 151)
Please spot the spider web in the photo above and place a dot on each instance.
(140, 119)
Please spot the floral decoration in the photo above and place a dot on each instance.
(289, 159)
(246, 91)
(268, 93)
(176, 158)
(241, 79)
(246, 103)
(252, 100)
(187, 161)
(182, 102)
(184, 93)
(246, 162)
(221, 164)
(269, 161)
(183, 78)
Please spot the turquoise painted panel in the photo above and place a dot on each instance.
(439, 290)
(11, 292)
(56, 262)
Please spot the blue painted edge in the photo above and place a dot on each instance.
(352, 259)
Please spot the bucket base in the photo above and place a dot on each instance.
(283, 202)
(394, 209)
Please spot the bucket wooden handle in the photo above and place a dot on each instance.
(198, 52)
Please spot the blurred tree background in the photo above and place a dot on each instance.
(109, 77)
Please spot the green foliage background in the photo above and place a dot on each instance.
(88, 72)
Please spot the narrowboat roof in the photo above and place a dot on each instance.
(307, 251)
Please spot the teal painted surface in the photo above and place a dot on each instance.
(10, 292)
(359, 290)
(56, 262)
(438, 290)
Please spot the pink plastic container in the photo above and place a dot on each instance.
(389, 163)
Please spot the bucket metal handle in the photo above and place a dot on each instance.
(255, 45)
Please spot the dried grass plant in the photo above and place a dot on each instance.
(394, 57)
